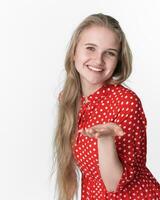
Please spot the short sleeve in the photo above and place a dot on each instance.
(131, 147)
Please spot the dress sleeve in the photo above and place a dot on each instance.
(131, 148)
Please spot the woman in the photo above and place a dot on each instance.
(101, 125)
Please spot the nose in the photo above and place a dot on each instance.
(98, 58)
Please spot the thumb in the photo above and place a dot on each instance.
(118, 131)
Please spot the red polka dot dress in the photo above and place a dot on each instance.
(120, 105)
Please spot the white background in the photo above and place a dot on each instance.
(34, 35)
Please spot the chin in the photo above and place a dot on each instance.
(94, 82)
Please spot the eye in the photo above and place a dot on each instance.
(109, 53)
(90, 48)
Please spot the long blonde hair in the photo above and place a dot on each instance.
(66, 176)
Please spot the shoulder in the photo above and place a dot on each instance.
(124, 96)
(123, 92)
(128, 104)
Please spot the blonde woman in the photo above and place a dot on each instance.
(101, 126)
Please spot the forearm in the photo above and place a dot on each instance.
(110, 166)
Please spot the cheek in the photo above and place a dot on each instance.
(81, 54)
(78, 62)
(80, 58)
(112, 64)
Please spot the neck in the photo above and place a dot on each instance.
(89, 89)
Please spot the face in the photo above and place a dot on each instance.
(96, 55)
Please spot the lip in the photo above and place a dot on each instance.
(94, 67)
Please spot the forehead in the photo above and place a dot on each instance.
(101, 36)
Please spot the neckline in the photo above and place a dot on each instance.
(95, 95)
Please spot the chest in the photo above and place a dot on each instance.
(96, 113)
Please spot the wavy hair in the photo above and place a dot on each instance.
(68, 106)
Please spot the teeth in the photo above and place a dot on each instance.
(94, 69)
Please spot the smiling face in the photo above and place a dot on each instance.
(96, 56)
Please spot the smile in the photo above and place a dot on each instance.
(94, 69)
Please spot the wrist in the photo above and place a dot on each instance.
(106, 138)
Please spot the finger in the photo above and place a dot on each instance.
(100, 130)
(118, 131)
(91, 132)
(87, 132)
(99, 126)
(96, 132)
(106, 130)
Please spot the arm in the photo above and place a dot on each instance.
(131, 148)
(110, 166)
(121, 159)
(127, 152)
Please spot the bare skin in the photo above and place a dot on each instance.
(110, 166)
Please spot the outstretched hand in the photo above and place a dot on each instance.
(102, 130)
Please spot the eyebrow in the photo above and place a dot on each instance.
(92, 44)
